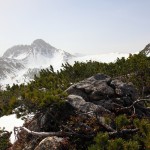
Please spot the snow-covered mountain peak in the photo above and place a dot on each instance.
(18, 62)
(38, 47)
(41, 44)
(37, 41)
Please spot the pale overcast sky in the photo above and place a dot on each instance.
(76, 26)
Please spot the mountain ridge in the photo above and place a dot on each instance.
(19, 61)
(33, 57)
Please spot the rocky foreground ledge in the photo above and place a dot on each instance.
(83, 115)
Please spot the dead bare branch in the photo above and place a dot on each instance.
(124, 109)
(58, 134)
(113, 134)
(122, 132)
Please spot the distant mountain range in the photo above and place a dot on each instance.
(19, 63)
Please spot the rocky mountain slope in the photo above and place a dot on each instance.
(92, 106)
(9, 66)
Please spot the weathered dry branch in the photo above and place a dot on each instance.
(113, 134)
(124, 109)
(58, 134)
(122, 132)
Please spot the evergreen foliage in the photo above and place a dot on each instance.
(4, 140)
(49, 89)
(138, 141)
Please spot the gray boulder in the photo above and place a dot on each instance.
(93, 88)
(101, 91)
(51, 143)
(80, 104)
(124, 89)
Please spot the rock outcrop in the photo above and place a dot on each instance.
(99, 93)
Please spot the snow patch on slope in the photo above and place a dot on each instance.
(21, 56)
(9, 122)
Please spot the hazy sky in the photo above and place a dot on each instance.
(77, 26)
